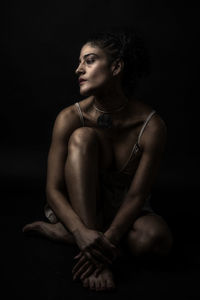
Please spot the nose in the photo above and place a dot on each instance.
(79, 70)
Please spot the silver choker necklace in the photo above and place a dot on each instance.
(105, 120)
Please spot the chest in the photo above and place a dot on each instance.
(117, 146)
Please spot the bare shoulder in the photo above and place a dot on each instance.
(157, 122)
(155, 132)
(67, 113)
(156, 125)
(67, 120)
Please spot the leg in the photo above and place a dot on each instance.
(55, 232)
(81, 175)
(150, 236)
(82, 168)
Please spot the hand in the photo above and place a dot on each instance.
(84, 267)
(95, 246)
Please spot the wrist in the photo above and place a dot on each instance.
(113, 236)
(79, 231)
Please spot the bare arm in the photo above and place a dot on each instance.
(56, 193)
(153, 143)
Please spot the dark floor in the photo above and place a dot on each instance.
(36, 268)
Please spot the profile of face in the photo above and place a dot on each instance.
(94, 70)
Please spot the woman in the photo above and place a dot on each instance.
(102, 163)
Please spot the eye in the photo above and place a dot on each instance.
(90, 60)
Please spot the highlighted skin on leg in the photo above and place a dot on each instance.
(55, 232)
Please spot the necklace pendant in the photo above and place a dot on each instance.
(104, 121)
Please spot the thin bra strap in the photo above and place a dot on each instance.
(144, 125)
(80, 113)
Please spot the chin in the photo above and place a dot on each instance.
(86, 92)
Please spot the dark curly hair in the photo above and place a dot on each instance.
(126, 44)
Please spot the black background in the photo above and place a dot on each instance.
(40, 46)
(41, 42)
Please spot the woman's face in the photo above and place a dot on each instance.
(94, 69)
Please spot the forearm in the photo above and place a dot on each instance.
(59, 203)
(124, 219)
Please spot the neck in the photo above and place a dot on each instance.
(109, 101)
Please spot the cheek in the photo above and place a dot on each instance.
(99, 76)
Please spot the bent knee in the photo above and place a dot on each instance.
(83, 138)
(161, 239)
(154, 241)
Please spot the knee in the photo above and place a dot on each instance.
(139, 242)
(150, 241)
(84, 139)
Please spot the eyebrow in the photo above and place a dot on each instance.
(86, 55)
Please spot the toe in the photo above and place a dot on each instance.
(86, 282)
(110, 282)
(98, 285)
(103, 285)
(110, 285)
(32, 226)
(92, 285)
(28, 227)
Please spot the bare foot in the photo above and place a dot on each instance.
(103, 282)
(56, 232)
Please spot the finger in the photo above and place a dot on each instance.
(91, 258)
(88, 272)
(101, 257)
(78, 256)
(79, 264)
(81, 270)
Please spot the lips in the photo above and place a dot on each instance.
(81, 80)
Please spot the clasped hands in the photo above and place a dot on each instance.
(96, 253)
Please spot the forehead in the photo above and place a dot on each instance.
(90, 49)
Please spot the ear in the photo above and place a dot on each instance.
(117, 66)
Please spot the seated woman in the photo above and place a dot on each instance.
(103, 159)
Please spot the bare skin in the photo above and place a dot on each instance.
(104, 281)
(55, 232)
(80, 153)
